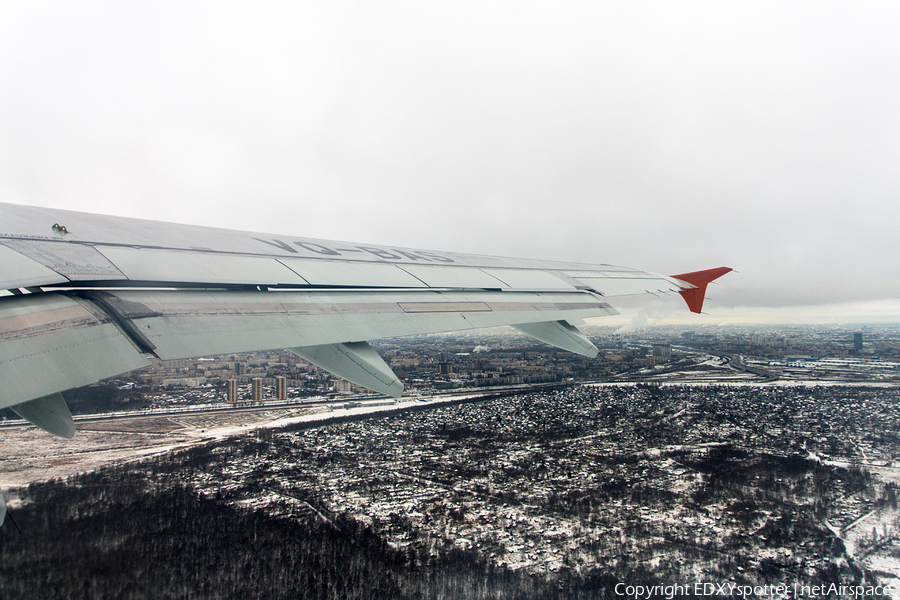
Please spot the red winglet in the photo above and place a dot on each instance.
(694, 296)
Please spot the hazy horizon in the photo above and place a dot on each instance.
(665, 137)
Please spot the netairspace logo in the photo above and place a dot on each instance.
(649, 592)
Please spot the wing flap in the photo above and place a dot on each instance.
(184, 324)
(50, 343)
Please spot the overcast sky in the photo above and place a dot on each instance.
(668, 136)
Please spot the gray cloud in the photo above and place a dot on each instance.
(665, 136)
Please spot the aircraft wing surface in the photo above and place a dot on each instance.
(92, 296)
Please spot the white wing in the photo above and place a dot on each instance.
(92, 296)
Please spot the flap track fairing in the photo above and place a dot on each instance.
(50, 413)
(560, 334)
(356, 362)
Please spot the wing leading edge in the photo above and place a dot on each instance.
(93, 296)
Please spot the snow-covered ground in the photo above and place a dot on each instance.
(30, 454)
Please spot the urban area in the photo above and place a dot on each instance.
(750, 456)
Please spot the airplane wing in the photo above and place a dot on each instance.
(92, 296)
